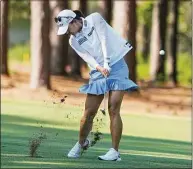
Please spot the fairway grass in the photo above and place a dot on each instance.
(147, 142)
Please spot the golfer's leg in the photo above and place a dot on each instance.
(114, 104)
(91, 107)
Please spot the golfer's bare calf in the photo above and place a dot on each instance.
(114, 104)
(91, 107)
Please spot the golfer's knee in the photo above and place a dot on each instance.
(113, 110)
(87, 119)
(89, 115)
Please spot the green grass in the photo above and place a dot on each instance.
(147, 142)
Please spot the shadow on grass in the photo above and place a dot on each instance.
(135, 151)
(11, 120)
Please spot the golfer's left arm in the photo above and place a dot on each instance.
(83, 54)
(101, 29)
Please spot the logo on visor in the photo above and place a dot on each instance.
(60, 24)
(69, 19)
(61, 20)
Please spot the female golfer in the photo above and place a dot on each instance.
(103, 50)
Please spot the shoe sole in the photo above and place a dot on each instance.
(73, 156)
(118, 159)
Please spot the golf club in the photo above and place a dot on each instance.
(104, 101)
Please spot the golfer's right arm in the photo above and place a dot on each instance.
(87, 57)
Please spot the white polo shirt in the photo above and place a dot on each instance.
(97, 42)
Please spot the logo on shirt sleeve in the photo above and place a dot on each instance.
(90, 33)
(128, 44)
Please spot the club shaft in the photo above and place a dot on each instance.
(105, 100)
(105, 97)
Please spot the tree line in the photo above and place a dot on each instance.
(50, 54)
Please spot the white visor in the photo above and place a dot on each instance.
(66, 16)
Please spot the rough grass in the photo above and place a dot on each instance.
(147, 142)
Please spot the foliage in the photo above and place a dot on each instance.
(20, 53)
(184, 65)
(185, 27)
(19, 9)
(144, 12)
(183, 68)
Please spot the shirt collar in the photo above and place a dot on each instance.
(85, 24)
(84, 27)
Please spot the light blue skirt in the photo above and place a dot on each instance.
(117, 80)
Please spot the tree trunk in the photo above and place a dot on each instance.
(76, 61)
(75, 64)
(145, 45)
(83, 6)
(59, 44)
(119, 24)
(75, 4)
(155, 42)
(157, 60)
(163, 6)
(40, 44)
(124, 22)
(131, 58)
(173, 41)
(106, 9)
(4, 37)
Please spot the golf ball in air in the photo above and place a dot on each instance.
(162, 52)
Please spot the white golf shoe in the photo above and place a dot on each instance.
(111, 155)
(76, 150)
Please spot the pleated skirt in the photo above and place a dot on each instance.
(118, 79)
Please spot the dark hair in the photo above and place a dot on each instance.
(79, 14)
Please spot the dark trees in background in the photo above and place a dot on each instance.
(144, 16)
(83, 6)
(76, 61)
(158, 36)
(146, 38)
(4, 37)
(130, 30)
(124, 22)
(173, 41)
(106, 7)
(59, 44)
(40, 44)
